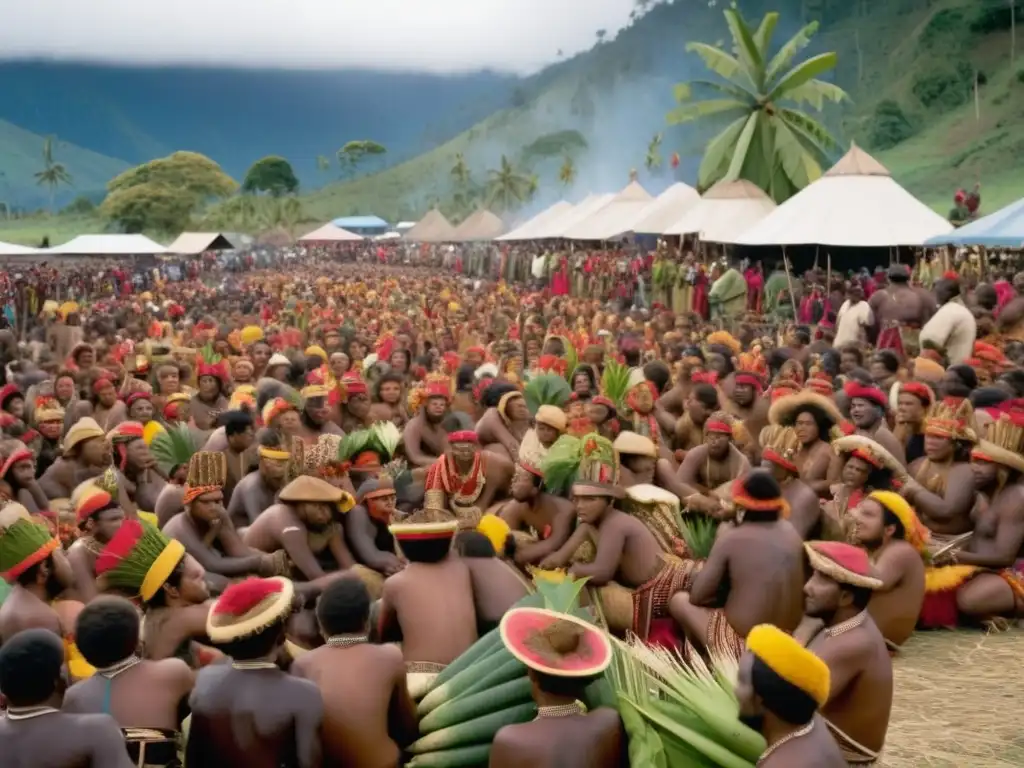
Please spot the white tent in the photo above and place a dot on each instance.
(725, 212)
(13, 249)
(666, 209)
(109, 245)
(195, 243)
(329, 233)
(524, 231)
(558, 225)
(856, 203)
(614, 218)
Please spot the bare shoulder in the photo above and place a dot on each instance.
(1011, 501)
(172, 668)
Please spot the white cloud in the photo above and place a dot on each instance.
(432, 35)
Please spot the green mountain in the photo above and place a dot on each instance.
(21, 157)
(909, 66)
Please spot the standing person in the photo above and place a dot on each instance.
(953, 329)
(900, 313)
(855, 318)
(860, 694)
(562, 655)
(149, 699)
(35, 733)
(249, 712)
(780, 686)
(368, 714)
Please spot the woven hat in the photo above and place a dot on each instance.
(555, 644)
(553, 416)
(23, 542)
(953, 418)
(313, 490)
(207, 472)
(1005, 442)
(780, 445)
(139, 558)
(316, 351)
(85, 428)
(278, 359)
(914, 532)
(249, 607)
(251, 334)
(47, 409)
(791, 661)
(425, 524)
(785, 410)
(866, 449)
(598, 470)
(844, 563)
(275, 408)
(633, 444)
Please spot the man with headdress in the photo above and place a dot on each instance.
(550, 422)
(780, 686)
(35, 731)
(748, 405)
(505, 422)
(466, 480)
(85, 454)
(431, 638)
(355, 410)
(754, 574)
(138, 476)
(249, 709)
(316, 413)
(986, 574)
(368, 713)
(779, 449)
(366, 525)
(424, 436)
(813, 417)
(147, 697)
(860, 694)
(913, 400)
(206, 530)
(562, 655)
(98, 516)
(211, 398)
(48, 415)
(868, 407)
(885, 525)
(865, 467)
(18, 470)
(716, 462)
(540, 522)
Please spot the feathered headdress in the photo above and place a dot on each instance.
(139, 558)
(780, 445)
(952, 417)
(173, 448)
(434, 385)
(369, 449)
(212, 364)
(546, 389)
(581, 463)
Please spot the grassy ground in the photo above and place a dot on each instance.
(957, 702)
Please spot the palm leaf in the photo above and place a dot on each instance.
(684, 91)
(742, 147)
(561, 593)
(546, 389)
(763, 35)
(789, 50)
(816, 93)
(812, 132)
(718, 61)
(802, 73)
(354, 443)
(698, 531)
(615, 382)
(561, 462)
(795, 160)
(685, 113)
(746, 48)
(174, 447)
(717, 153)
(572, 360)
(387, 436)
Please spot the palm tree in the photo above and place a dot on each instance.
(460, 171)
(769, 141)
(507, 188)
(653, 158)
(53, 174)
(567, 173)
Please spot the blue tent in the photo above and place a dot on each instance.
(363, 225)
(1002, 229)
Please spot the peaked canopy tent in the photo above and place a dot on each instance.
(13, 249)
(559, 225)
(329, 233)
(525, 230)
(724, 213)
(614, 218)
(480, 225)
(109, 245)
(666, 209)
(432, 228)
(195, 243)
(1002, 229)
(857, 204)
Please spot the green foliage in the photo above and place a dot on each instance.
(508, 188)
(271, 174)
(889, 125)
(1020, 75)
(355, 153)
(556, 144)
(767, 141)
(567, 172)
(80, 206)
(946, 23)
(995, 16)
(945, 89)
(162, 194)
(53, 174)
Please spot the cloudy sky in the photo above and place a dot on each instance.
(433, 35)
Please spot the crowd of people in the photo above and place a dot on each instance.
(274, 501)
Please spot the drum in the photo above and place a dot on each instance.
(658, 509)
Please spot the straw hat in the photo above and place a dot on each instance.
(313, 490)
(555, 644)
(84, 429)
(248, 608)
(863, 447)
(633, 444)
(785, 410)
(843, 563)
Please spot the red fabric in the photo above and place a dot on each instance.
(891, 338)
(701, 304)
(857, 391)
(238, 599)
(664, 633)
(918, 390)
(751, 380)
(846, 556)
(463, 436)
(939, 610)
(1004, 294)
(717, 426)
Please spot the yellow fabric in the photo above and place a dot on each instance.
(275, 455)
(790, 661)
(161, 568)
(948, 577)
(79, 668)
(496, 530)
(149, 517)
(316, 351)
(315, 390)
(251, 334)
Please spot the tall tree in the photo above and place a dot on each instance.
(460, 171)
(653, 158)
(567, 173)
(354, 153)
(53, 174)
(769, 141)
(271, 174)
(507, 187)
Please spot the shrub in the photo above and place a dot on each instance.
(945, 89)
(889, 125)
(995, 17)
(948, 21)
(1020, 75)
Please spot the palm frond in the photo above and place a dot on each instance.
(742, 146)
(810, 130)
(698, 531)
(719, 62)
(546, 389)
(789, 50)
(174, 447)
(815, 93)
(683, 92)
(802, 73)
(615, 382)
(717, 153)
(685, 113)
(561, 462)
(354, 443)
(746, 49)
(572, 360)
(765, 30)
(387, 435)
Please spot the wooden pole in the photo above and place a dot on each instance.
(828, 280)
(789, 282)
(977, 98)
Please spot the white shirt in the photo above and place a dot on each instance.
(851, 322)
(952, 329)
